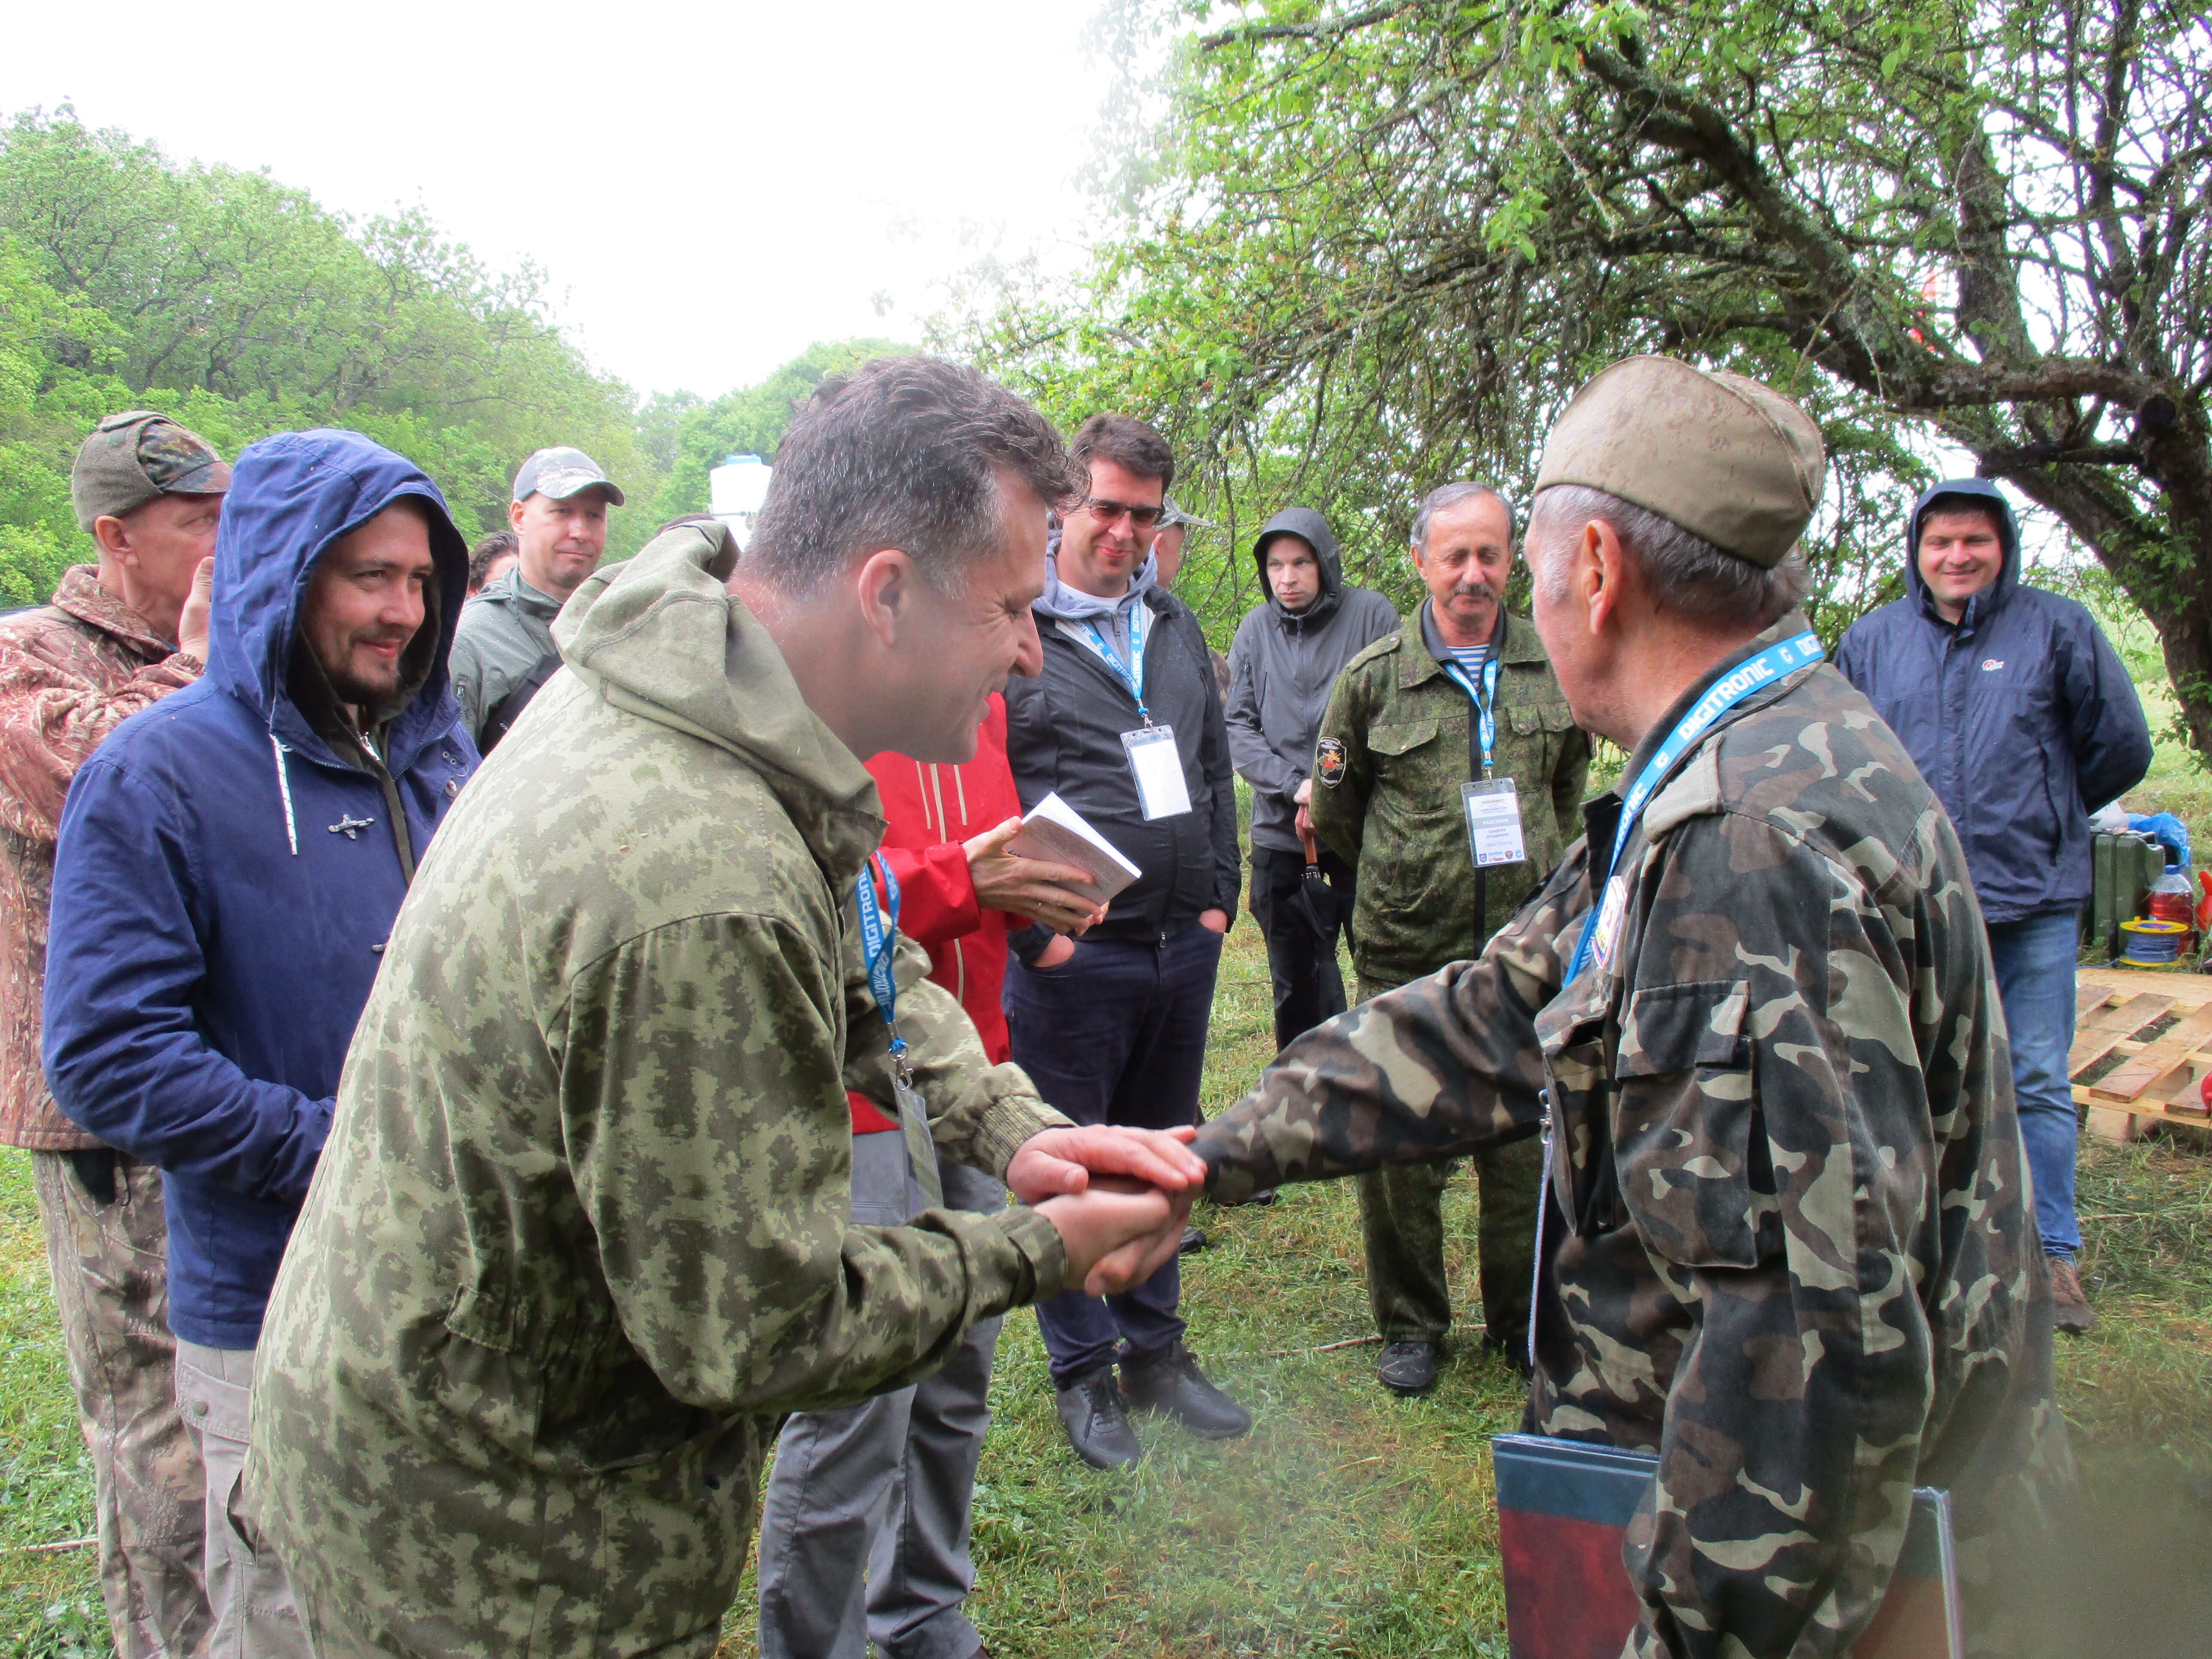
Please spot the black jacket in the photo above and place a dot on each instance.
(1282, 666)
(1064, 732)
(2022, 718)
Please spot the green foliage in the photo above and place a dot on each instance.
(1353, 252)
(750, 421)
(243, 307)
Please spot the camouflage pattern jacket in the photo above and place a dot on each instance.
(1788, 1239)
(580, 1231)
(1395, 744)
(70, 672)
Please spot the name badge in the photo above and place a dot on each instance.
(1493, 822)
(1157, 769)
(1608, 925)
(921, 1171)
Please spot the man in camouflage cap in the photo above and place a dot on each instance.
(117, 636)
(1785, 1241)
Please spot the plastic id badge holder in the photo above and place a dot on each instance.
(1493, 822)
(1157, 769)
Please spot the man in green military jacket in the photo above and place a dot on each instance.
(582, 1232)
(1789, 1245)
(1461, 693)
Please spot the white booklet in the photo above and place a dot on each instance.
(1055, 833)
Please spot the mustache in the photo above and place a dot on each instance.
(1473, 590)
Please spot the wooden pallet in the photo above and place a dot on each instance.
(2157, 1077)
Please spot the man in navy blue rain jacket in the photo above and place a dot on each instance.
(229, 864)
(2018, 712)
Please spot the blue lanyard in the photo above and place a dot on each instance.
(879, 940)
(1132, 673)
(1485, 700)
(1785, 656)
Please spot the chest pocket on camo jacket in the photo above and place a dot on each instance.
(1695, 1170)
(1407, 808)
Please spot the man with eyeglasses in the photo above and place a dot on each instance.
(1125, 723)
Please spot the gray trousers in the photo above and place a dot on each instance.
(247, 1588)
(110, 1260)
(864, 1531)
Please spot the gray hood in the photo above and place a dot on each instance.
(1305, 523)
(1060, 603)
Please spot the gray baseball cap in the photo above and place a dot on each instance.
(559, 473)
(140, 455)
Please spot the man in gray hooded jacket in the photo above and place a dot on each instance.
(1282, 665)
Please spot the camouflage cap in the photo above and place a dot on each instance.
(1724, 457)
(136, 457)
(1173, 512)
(560, 472)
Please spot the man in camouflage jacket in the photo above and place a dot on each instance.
(115, 638)
(1399, 739)
(1787, 1238)
(582, 1233)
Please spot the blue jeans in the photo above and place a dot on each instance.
(1116, 1033)
(2035, 963)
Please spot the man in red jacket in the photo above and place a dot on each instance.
(883, 1487)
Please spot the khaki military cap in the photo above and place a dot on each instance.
(1724, 457)
(137, 456)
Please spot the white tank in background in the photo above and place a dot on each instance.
(735, 490)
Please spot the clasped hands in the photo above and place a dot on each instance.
(1118, 1198)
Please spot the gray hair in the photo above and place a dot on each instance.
(905, 452)
(1445, 496)
(1687, 574)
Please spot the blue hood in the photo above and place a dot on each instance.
(2022, 718)
(1976, 492)
(290, 497)
(224, 883)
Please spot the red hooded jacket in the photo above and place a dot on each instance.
(932, 810)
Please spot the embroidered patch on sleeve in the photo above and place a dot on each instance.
(1329, 761)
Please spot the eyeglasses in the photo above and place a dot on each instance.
(1141, 518)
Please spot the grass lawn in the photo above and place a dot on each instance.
(1348, 1523)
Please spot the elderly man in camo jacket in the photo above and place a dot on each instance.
(1786, 1236)
(118, 636)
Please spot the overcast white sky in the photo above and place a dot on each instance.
(709, 187)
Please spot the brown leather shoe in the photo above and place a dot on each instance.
(2070, 1306)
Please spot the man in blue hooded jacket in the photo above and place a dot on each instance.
(229, 864)
(2018, 714)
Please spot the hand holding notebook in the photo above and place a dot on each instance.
(1054, 832)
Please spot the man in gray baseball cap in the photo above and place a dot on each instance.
(504, 650)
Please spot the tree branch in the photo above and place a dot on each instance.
(1327, 28)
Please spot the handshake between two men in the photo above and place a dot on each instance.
(1118, 1198)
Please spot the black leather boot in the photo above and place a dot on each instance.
(1172, 1382)
(1408, 1368)
(1097, 1423)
